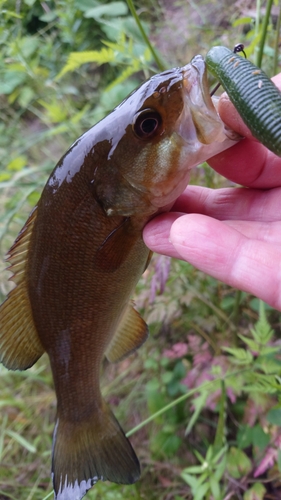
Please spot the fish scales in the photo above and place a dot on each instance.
(69, 287)
(80, 254)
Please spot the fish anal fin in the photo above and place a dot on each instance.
(91, 450)
(20, 346)
(132, 332)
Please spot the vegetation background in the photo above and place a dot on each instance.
(201, 399)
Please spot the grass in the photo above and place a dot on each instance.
(201, 399)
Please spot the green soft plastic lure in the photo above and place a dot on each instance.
(256, 98)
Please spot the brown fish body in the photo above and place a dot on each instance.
(80, 255)
(81, 299)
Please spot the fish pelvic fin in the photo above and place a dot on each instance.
(20, 346)
(91, 450)
(132, 332)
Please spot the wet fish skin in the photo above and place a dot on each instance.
(80, 255)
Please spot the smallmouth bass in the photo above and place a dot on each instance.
(80, 254)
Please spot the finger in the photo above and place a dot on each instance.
(248, 162)
(231, 203)
(156, 234)
(269, 232)
(227, 255)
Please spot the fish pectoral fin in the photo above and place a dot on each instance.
(20, 346)
(89, 450)
(132, 332)
(116, 247)
(148, 260)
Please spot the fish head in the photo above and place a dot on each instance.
(163, 129)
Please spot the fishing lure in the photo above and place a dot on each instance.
(256, 98)
(239, 47)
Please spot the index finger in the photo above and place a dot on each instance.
(248, 162)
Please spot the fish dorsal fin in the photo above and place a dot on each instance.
(20, 346)
(132, 332)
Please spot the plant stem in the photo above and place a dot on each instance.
(146, 39)
(49, 495)
(207, 337)
(221, 430)
(264, 32)
(182, 398)
(235, 313)
(257, 27)
(276, 45)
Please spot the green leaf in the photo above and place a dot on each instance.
(5, 176)
(11, 402)
(79, 115)
(241, 356)
(238, 464)
(10, 13)
(48, 17)
(254, 346)
(262, 332)
(28, 45)
(244, 436)
(209, 454)
(167, 377)
(113, 9)
(201, 491)
(153, 385)
(279, 460)
(179, 370)
(195, 469)
(25, 96)
(22, 441)
(274, 416)
(190, 480)
(263, 383)
(256, 492)
(254, 43)
(166, 442)
(215, 488)
(84, 5)
(219, 454)
(260, 438)
(76, 59)
(56, 112)
(220, 468)
(198, 403)
(11, 79)
(241, 21)
(265, 350)
(17, 163)
(199, 456)
(220, 432)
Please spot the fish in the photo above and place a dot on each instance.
(80, 254)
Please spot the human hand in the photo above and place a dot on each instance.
(232, 234)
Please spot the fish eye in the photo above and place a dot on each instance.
(146, 123)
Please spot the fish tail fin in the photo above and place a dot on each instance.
(88, 450)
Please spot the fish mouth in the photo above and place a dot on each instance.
(199, 119)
